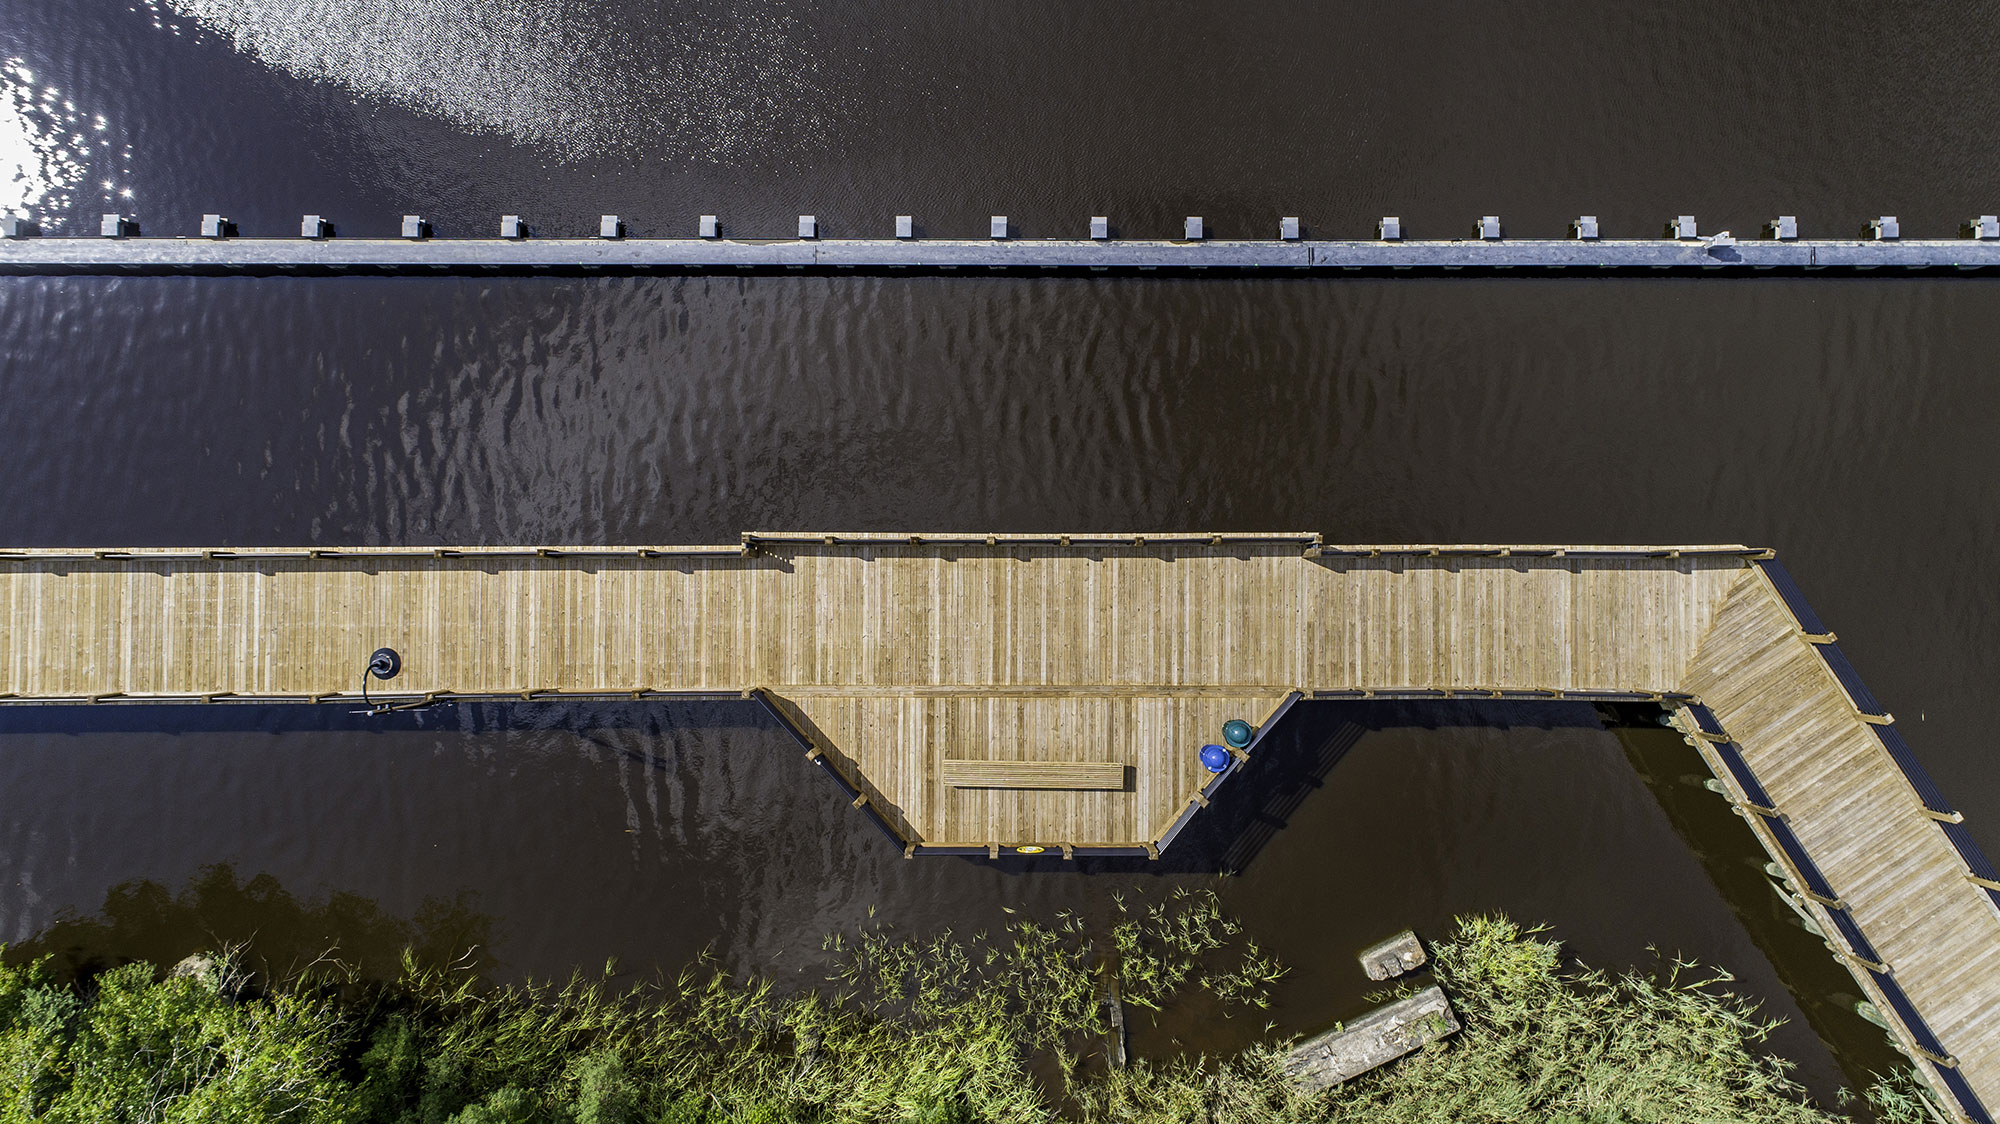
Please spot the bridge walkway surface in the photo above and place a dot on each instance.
(923, 672)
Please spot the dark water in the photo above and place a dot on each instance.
(1849, 423)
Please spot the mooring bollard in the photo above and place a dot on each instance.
(1193, 229)
(1288, 228)
(1682, 228)
(1784, 228)
(312, 226)
(414, 226)
(1584, 228)
(906, 226)
(512, 228)
(609, 226)
(1100, 227)
(997, 229)
(1389, 229)
(1489, 228)
(116, 226)
(1884, 229)
(1984, 227)
(215, 226)
(808, 226)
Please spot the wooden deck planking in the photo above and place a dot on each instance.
(1859, 820)
(892, 657)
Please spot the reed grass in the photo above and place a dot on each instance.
(1005, 1029)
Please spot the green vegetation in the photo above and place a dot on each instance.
(944, 1031)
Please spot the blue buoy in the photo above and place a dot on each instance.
(1237, 732)
(1214, 758)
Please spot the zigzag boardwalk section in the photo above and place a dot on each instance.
(1001, 694)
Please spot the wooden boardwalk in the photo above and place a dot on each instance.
(956, 684)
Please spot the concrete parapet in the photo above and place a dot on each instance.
(1377, 1038)
(1391, 958)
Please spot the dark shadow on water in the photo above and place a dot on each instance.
(1733, 859)
(279, 935)
(580, 717)
(1292, 763)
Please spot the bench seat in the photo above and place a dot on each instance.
(960, 772)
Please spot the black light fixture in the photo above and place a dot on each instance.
(383, 664)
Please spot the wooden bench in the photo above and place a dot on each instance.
(962, 773)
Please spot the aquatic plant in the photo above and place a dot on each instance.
(944, 1030)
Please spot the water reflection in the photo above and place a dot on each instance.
(716, 83)
(280, 935)
(49, 146)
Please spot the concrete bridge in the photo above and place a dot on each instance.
(1005, 694)
(430, 256)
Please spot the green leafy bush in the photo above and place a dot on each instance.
(943, 1031)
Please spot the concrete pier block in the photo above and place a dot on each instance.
(1682, 227)
(711, 227)
(1585, 227)
(116, 226)
(215, 226)
(14, 226)
(1884, 229)
(1193, 229)
(1385, 960)
(512, 228)
(997, 229)
(414, 226)
(312, 226)
(1785, 228)
(1488, 229)
(808, 226)
(1374, 1039)
(1100, 227)
(1288, 228)
(906, 226)
(1983, 226)
(610, 226)
(1389, 229)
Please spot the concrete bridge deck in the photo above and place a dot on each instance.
(432, 256)
(889, 654)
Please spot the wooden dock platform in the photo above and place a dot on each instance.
(1000, 694)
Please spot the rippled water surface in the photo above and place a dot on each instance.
(1847, 422)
